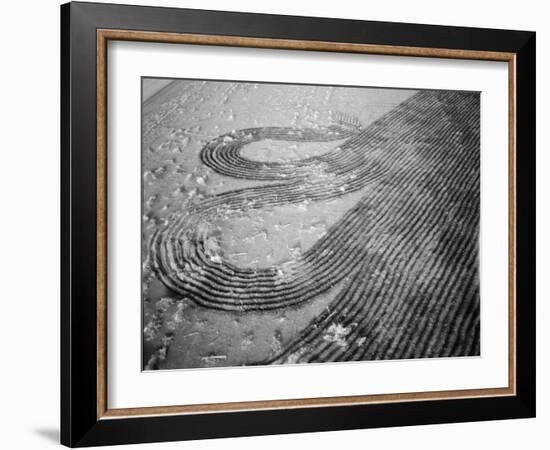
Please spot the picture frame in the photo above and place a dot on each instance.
(86, 30)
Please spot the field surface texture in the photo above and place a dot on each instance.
(288, 224)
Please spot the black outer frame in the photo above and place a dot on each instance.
(79, 423)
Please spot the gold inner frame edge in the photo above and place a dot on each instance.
(103, 36)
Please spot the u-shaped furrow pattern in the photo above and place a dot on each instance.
(415, 292)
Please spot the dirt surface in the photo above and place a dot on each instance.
(244, 184)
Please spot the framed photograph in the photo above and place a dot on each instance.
(277, 224)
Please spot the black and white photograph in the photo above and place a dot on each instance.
(295, 223)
